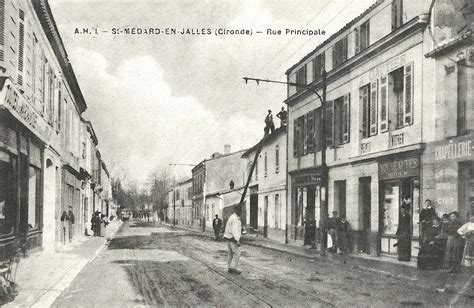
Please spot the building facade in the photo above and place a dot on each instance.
(265, 203)
(41, 141)
(375, 110)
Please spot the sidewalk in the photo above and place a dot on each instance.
(42, 276)
(460, 285)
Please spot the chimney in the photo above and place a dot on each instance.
(226, 149)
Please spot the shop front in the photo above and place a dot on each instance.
(399, 180)
(23, 134)
(305, 209)
(448, 172)
(71, 196)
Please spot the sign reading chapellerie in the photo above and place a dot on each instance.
(21, 108)
(399, 168)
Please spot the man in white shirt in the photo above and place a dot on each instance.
(232, 235)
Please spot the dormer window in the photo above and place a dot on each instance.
(339, 52)
(397, 14)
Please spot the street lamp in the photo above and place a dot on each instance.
(323, 187)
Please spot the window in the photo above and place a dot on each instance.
(318, 66)
(277, 159)
(400, 96)
(265, 164)
(339, 52)
(362, 37)
(7, 201)
(368, 98)
(301, 78)
(397, 14)
(329, 128)
(306, 130)
(256, 169)
(338, 129)
(33, 197)
(462, 100)
(383, 105)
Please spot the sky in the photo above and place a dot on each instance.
(156, 100)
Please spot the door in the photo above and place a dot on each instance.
(310, 227)
(265, 217)
(254, 211)
(365, 210)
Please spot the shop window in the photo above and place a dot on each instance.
(339, 52)
(34, 197)
(391, 207)
(319, 66)
(362, 37)
(7, 200)
(301, 78)
(397, 14)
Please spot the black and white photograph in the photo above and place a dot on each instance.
(236, 153)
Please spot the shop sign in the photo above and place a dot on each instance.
(399, 168)
(313, 177)
(454, 150)
(21, 108)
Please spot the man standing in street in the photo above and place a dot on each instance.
(333, 225)
(70, 213)
(232, 235)
(217, 224)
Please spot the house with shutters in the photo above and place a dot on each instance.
(378, 93)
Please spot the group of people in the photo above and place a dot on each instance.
(98, 224)
(338, 229)
(67, 225)
(270, 126)
(446, 242)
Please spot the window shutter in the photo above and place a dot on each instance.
(334, 57)
(317, 130)
(21, 46)
(295, 138)
(346, 118)
(373, 108)
(364, 101)
(383, 104)
(305, 134)
(408, 89)
(2, 32)
(357, 39)
(344, 48)
(310, 134)
(329, 120)
(300, 136)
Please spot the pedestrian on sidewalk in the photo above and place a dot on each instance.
(454, 245)
(333, 224)
(103, 224)
(217, 225)
(72, 220)
(232, 234)
(467, 232)
(64, 226)
(404, 235)
(343, 235)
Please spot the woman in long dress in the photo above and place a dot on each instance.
(103, 224)
(454, 244)
(404, 235)
(467, 232)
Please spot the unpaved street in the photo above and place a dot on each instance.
(146, 265)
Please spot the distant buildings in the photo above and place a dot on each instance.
(48, 153)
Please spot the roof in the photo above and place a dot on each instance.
(185, 182)
(202, 163)
(91, 131)
(266, 140)
(43, 11)
(332, 37)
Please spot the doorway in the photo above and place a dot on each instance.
(254, 211)
(365, 207)
(340, 198)
(265, 216)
